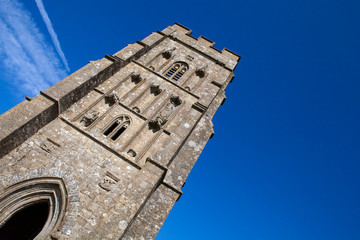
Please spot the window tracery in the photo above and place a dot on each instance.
(177, 70)
(117, 127)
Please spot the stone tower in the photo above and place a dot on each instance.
(104, 153)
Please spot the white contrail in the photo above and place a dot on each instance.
(25, 57)
(52, 33)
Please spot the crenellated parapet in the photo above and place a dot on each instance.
(202, 44)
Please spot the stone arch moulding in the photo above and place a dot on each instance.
(32, 191)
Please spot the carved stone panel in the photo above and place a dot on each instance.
(108, 181)
(190, 58)
(49, 145)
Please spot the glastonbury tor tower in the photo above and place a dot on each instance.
(104, 153)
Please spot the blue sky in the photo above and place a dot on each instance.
(284, 161)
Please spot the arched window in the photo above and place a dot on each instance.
(117, 127)
(177, 70)
(33, 209)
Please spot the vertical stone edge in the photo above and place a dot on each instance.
(24, 120)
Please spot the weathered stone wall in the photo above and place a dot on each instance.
(121, 134)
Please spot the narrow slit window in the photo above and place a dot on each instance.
(118, 133)
(111, 128)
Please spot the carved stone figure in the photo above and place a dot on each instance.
(89, 117)
(200, 72)
(111, 99)
(131, 153)
(136, 78)
(164, 115)
(155, 89)
(136, 109)
(168, 53)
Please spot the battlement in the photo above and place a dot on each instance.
(224, 57)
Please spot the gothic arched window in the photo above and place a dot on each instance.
(117, 127)
(33, 209)
(177, 70)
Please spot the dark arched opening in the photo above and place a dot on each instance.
(27, 223)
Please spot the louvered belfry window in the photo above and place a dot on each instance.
(176, 71)
(117, 127)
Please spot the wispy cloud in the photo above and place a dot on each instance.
(52, 33)
(28, 59)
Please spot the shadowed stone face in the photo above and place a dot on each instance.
(109, 148)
